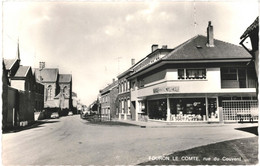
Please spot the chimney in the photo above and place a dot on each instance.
(210, 37)
(132, 61)
(114, 80)
(42, 65)
(164, 47)
(154, 47)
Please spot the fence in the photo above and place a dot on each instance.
(233, 109)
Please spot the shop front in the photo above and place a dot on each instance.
(170, 108)
(182, 109)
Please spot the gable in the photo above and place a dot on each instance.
(9, 63)
(65, 78)
(47, 74)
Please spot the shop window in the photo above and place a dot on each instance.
(157, 109)
(187, 109)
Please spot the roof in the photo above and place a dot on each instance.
(9, 63)
(196, 49)
(251, 28)
(109, 87)
(65, 78)
(124, 73)
(22, 71)
(47, 74)
(73, 94)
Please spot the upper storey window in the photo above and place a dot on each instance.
(192, 73)
(229, 74)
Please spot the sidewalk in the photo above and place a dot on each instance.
(155, 124)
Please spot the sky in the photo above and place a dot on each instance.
(96, 40)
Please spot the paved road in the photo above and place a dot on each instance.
(71, 140)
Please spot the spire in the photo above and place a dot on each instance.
(18, 51)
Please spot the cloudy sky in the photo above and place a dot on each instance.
(95, 41)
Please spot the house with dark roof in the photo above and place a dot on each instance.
(108, 100)
(202, 80)
(24, 96)
(23, 79)
(123, 98)
(252, 34)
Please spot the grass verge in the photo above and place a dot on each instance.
(234, 152)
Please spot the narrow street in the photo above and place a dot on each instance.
(71, 140)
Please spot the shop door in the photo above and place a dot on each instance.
(213, 114)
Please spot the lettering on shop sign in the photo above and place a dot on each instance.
(166, 89)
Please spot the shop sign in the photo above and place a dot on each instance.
(166, 89)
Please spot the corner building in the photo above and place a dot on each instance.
(201, 80)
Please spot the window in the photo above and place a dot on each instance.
(195, 73)
(181, 74)
(49, 92)
(125, 86)
(122, 106)
(229, 74)
(128, 85)
(133, 85)
(128, 104)
(191, 73)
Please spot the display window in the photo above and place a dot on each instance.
(187, 109)
(157, 109)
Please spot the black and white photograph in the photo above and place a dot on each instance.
(137, 82)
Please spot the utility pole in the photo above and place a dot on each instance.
(194, 17)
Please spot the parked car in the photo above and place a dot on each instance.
(54, 115)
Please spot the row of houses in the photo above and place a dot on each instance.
(27, 91)
(201, 80)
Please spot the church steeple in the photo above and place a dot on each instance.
(18, 51)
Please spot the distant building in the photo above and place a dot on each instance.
(75, 102)
(108, 97)
(49, 78)
(124, 95)
(57, 89)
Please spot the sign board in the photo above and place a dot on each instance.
(166, 89)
